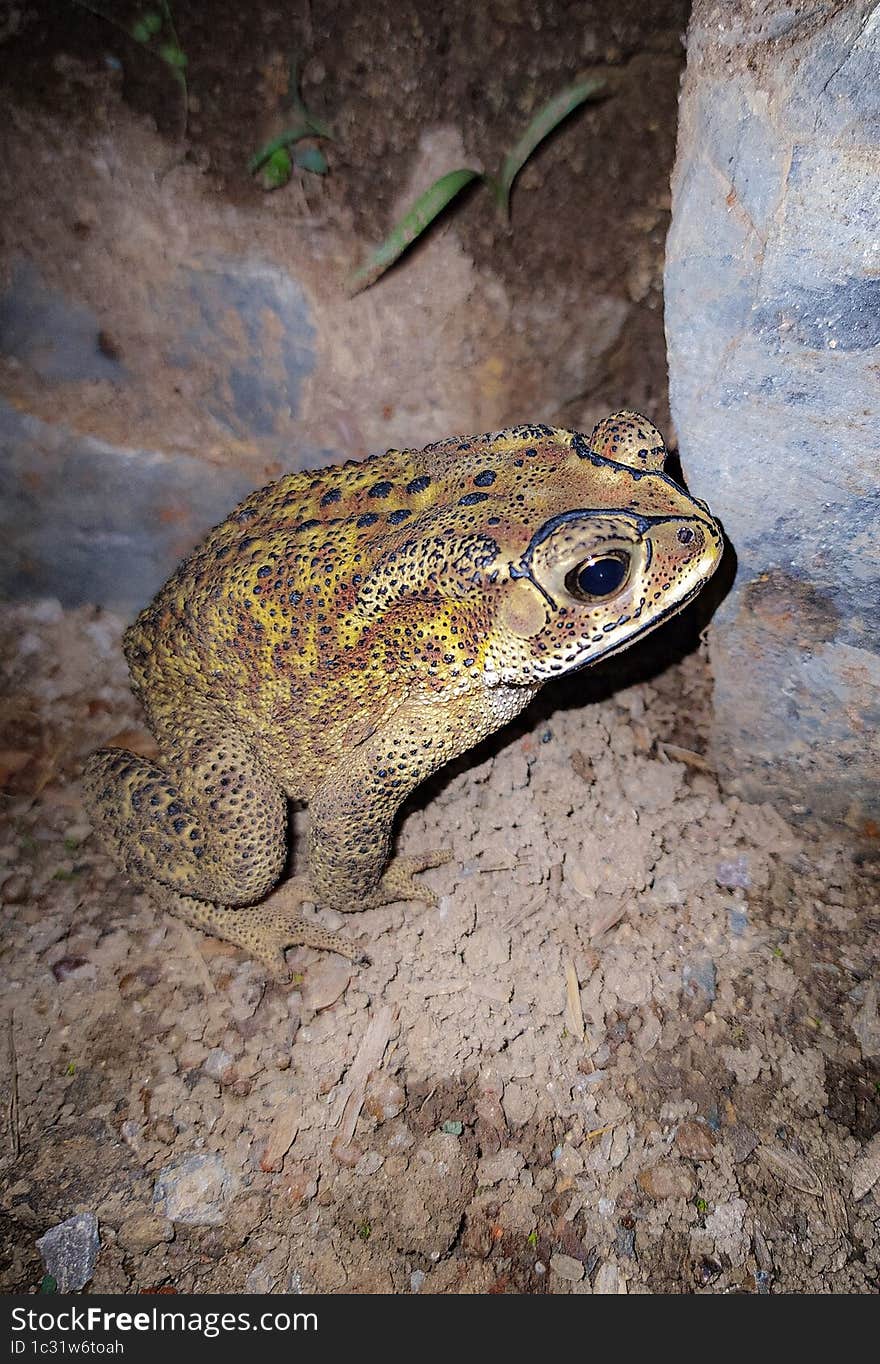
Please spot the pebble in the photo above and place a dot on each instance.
(734, 873)
(16, 888)
(699, 979)
(384, 1097)
(607, 1279)
(195, 1190)
(567, 1267)
(69, 1251)
(695, 1140)
(866, 1023)
(519, 1103)
(143, 1231)
(741, 1140)
(503, 1165)
(866, 1168)
(666, 1181)
(324, 983)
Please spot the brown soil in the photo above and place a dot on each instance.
(705, 1128)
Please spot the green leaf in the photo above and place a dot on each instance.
(279, 143)
(277, 170)
(411, 226)
(140, 32)
(548, 118)
(311, 159)
(152, 22)
(174, 56)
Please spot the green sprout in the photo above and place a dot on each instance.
(154, 30)
(435, 199)
(365, 1231)
(275, 158)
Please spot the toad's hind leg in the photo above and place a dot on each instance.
(210, 822)
(264, 930)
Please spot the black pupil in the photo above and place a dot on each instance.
(601, 576)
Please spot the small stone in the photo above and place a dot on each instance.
(741, 1140)
(667, 892)
(503, 1165)
(866, 1168)
(734, 872)
(143, 1231)
(698, 980)
(519, 1103)
(866, 1023)
(384, 1097)
(281, 1137)
(195, 1190)
(695, 1141)
(69, 1251)
(666, 1181)
(569, 1161)
(370, 1163)
(416, 1279)
(347, 1154)
(567, 1267)
(16, 889)
(790, 1169)
(608, 1279)
(324, 983)
(245, 992)
(220, 1066)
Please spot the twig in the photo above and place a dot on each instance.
(12, 1105)
(574, 1014)
(370, 1053)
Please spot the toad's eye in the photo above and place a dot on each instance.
(598, 577)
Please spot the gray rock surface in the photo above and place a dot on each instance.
(773, 324)
(70, 1251)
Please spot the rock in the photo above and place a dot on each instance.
(790, 1169)
(734, 872)
(220, 1066)
(370, 1163)
(519, 1103)
(324, 983)
(695, 1140)
(245, 991)
(667, 892)
(195, 1190)
(866, 1168)
(567, 1267)
(666, 1181)
(384, 1097)
(608, 1279)
(143, 1231)
(281, 1137)
(698, 979)
(568, 1162)
(16, 888)
(866, 1023)
(69, 1251)
(503, 1165)
(741, 1140)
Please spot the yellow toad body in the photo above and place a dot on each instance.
(348, 630)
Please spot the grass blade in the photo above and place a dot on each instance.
(277, 144)
(411, 226)
(548, 118)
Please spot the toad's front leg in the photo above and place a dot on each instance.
(353, 809)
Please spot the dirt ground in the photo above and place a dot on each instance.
(633, 1049)
(636, 1048)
